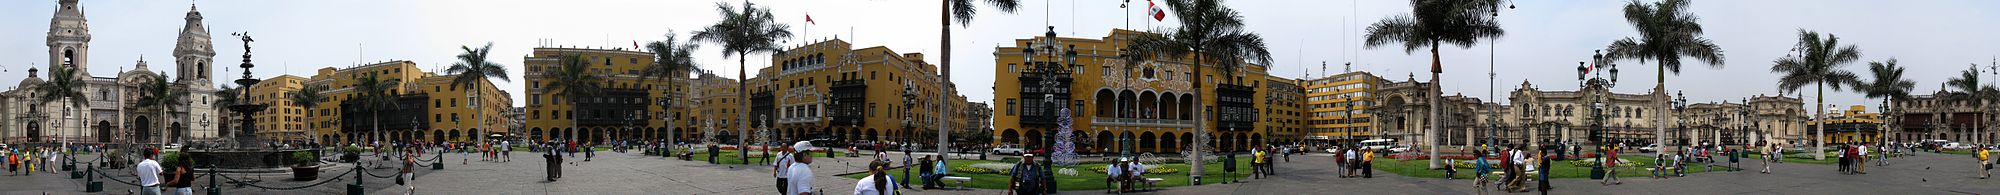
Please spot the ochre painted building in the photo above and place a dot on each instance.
(1148, 108)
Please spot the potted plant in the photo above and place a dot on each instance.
(304, 166)
(350, 154)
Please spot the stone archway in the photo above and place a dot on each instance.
(103, 132)
(141, 129)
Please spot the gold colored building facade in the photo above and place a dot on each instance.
(830, 90)
(428, 108)
(1148, 108)
(628, 107)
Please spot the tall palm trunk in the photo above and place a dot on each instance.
(1818, 112)
(743, 115)
(1660, 98)
(1201, 120)
(1437, 130)
(944, 69)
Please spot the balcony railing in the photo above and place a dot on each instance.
(1109, 121)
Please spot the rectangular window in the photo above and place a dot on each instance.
(1011, 68)
(871, 109)
(1011, 106)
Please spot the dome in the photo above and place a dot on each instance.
(32, 79)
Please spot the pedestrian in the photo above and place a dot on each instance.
(782, 168)
(1026, 177)
(1353, 162)
(149, 174)
(1543, 175)
(408, 177)
(924, 174)
(1861, 158)
(1256, 164)
(181, 179)
(1984, 167)
(1765, 155)
(800, 181)
(905, 183)
(1368, 164)
(1610, 160)
(877, 182)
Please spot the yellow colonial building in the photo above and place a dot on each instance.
(829, 90)
(1147, 108)
(428, 107)
(282, 120)
(627, 108)
(1852, 125)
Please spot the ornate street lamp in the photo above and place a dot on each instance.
(1680, 108)
(1050, 71)
(1590, 75)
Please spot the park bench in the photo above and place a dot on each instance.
(1153, 182)
(960, 181)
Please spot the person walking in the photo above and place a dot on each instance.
(1542, 176)
(408, 176)
(149, 174)
(1984, 167)
(781, 169)
(1610, 160)
(1861, 158)
(800, 180)
(1765, 155)
(1256, 164)
(905, 183)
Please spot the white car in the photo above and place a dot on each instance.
(1650, 148)
(1399, 149)
(1956, 145)
(1008, 150)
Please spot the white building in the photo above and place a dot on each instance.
(111, 114)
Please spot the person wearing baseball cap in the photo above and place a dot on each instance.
(800, 180)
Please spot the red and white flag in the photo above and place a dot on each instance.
(1157, 13)
(809, 19)
(635, 45)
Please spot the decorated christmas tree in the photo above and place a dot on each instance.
(1065, 150)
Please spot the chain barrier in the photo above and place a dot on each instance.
(420, 158)
(391, 175)
(254, 185)
(109, 177)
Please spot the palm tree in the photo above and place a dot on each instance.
(164, 97)
(1819, 64)
(472, 69)
(962, 11)
(1888, 84)
(1211, 33)
(308, 97)
(671, 61)
(64, 84)
(226, 96)
(1432, 24)
(1967, 84)
(1666, 33)
(741, 32)
(573, 79)
(376, 96)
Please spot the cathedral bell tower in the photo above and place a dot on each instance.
(69, 39)
(192, 52)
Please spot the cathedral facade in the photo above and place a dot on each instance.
(111, 111)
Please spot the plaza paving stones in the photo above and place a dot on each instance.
(631, 173)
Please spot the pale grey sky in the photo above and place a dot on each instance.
(1545, 38)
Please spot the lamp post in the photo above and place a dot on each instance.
(1591, 75)
(1680, 108)
(1050, 70)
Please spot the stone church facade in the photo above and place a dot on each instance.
(111, 113)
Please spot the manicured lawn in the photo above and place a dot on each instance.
(1807, 158)
(1085, 178)
(1563, 169)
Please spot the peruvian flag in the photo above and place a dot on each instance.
(809, 19)
(1157, 13)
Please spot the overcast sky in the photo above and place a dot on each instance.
(1544, 38)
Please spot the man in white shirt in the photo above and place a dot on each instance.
(781, 169)
(1861, 160)
(800, 181)
(149, 175)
